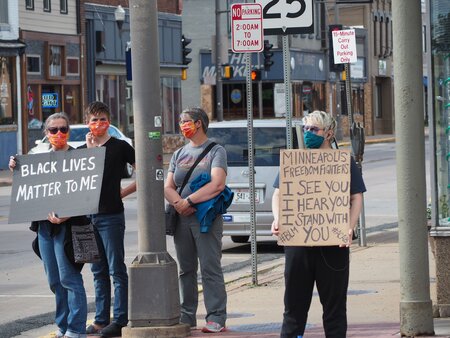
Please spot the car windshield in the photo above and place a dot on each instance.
(78, 134)
(267, 145)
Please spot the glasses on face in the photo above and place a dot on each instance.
(313, 129)
(185, 121)
(54, 130)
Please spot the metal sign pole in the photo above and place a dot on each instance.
(251, 168)
(357, 142)
(287, 90)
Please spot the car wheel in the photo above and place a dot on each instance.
(240, 239)
(128, 171)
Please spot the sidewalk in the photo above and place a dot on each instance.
(373, 297)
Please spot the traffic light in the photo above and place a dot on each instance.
(267, 55)
(184, 74)
(333, 67)
(256, 74)
(227, 72)
(184, 42)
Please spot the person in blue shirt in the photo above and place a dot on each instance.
(326, 266)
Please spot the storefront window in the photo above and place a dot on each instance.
(170, 103)
(71, 103)
(7, 111)
(440, 47)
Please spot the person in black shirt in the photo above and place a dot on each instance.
(109, 223)
(326, 266)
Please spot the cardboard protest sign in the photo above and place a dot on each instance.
(314, 197)
(65, 182)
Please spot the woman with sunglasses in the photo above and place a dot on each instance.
(325, 266)
(63, 274)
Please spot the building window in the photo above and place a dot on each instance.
(29, 4)
(63, 7)
(55, 61)
(34, 64)
(377, 101)
(4, 12)
(72, 66)
(47, 6)
(7, 107)
(170, 103)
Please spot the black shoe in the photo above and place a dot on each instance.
(112, 330)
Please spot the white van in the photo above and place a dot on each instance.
(269, 137)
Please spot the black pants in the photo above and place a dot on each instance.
(328, 267)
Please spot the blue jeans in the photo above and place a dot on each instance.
(111, 231)
(65, 281)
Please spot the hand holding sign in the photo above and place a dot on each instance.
(68, 182)
(314, 197)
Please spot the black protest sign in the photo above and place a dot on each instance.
(314, 197)
(65, 182)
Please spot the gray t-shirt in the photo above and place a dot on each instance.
(183, 159)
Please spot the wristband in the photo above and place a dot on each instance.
(190, 202)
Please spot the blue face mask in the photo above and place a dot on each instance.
(312, 141)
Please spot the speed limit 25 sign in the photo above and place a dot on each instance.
(287, 16)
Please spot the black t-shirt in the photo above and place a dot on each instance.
(118, 154)
(356, 181)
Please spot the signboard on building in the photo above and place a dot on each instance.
(287, 17)
(314, 197)
(246, 28)
(51, 182)
(344, 46)
(49, 100)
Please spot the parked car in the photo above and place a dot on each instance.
(269, 137)
(77, 137)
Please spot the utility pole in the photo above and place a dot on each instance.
(154, 304)
(219, 89)
(416, 317)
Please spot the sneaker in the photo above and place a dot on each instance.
(111, 330)
(213, 327)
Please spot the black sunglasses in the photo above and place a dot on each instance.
(54, 130)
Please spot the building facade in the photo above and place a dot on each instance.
(313, 85)
(11, 49)
(108, 66)
(51, 65)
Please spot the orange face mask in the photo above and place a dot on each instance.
(99, 128)
(188, 129)
(58, 140)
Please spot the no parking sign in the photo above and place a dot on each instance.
(246, 28)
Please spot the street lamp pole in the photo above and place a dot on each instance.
(219, 89)
(154, 305)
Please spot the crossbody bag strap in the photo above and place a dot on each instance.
(199, 158)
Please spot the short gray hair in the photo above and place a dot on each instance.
(321, 119)
(56, 116)
(197, 113)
